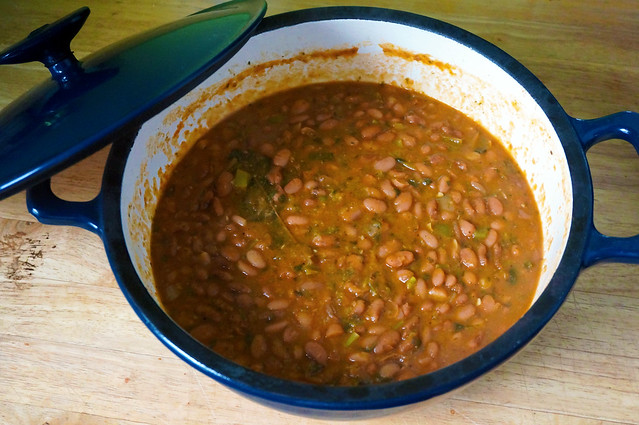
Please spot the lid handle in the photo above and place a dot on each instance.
(51, 45)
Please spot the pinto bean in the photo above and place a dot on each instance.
(468, 258)
(421, 288)
(465, 312)
(469, 278)
(478, 186)
(423, 169)
(432, 348)
(239, 220)
(255, 258)
(488, 304)
(429, 239)
(224, 184)
(467, 228)
(258, 346)
(278, 304)
(350, 140)
(389, 370)
(329, 124)
(451, 280)
(443, 184)
(479, 206)
(334, 329)
(315, 351)
(387, 341)
(276, 327)
(403, 202)
(323, 241)
(431, 208)
(375, 205)
(293, 186)
(375, 113)
(438, 293)
(231, 253)
(282, 157)
(495, 206)
(274, 176)
(296, 220)
(375, 310)
(385, 164)
(481, 254)
(491, 238)
(246, 268)
(439, 276)
(388, 189)
(370, 131)
(400, 259)
(359, 357)
(386, 137)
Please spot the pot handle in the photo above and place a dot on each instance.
(624, 126)
(44, 205)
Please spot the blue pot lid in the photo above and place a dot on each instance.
(86, 104)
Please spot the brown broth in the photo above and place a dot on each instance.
(346, 234)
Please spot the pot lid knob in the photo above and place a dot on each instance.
(110, 93)
(51, 45)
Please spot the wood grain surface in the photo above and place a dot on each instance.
(72, 351)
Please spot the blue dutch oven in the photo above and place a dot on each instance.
(225, 57)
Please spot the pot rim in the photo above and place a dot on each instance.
(290, 394)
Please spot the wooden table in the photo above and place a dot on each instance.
(72, 351)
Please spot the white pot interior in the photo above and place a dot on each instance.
(351, 49)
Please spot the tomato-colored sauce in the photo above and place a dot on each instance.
(345, 234)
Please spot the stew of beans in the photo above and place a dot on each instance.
(346, 234)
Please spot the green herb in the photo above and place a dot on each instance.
(352, 337)
(481, 233)
(374, 230)
(416, 183)
(445, 203)
(483, 144)
(528, 265)
(310, 269)
(453, 140)
(336, 195)
(321, 156)
(275, 119)
(241, 179)
(443, 229)
(347, 274)
(512, 276)
(252, 162)
(331, 230)
(254, 204)
(313, 368)
(405, 164)
(398, 325)
(410, 283)
(459, 327)
(376, 285)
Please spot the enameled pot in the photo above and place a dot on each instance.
(368, 44)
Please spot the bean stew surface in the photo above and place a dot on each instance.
(346, 234)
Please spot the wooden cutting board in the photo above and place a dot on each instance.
(72, 351)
